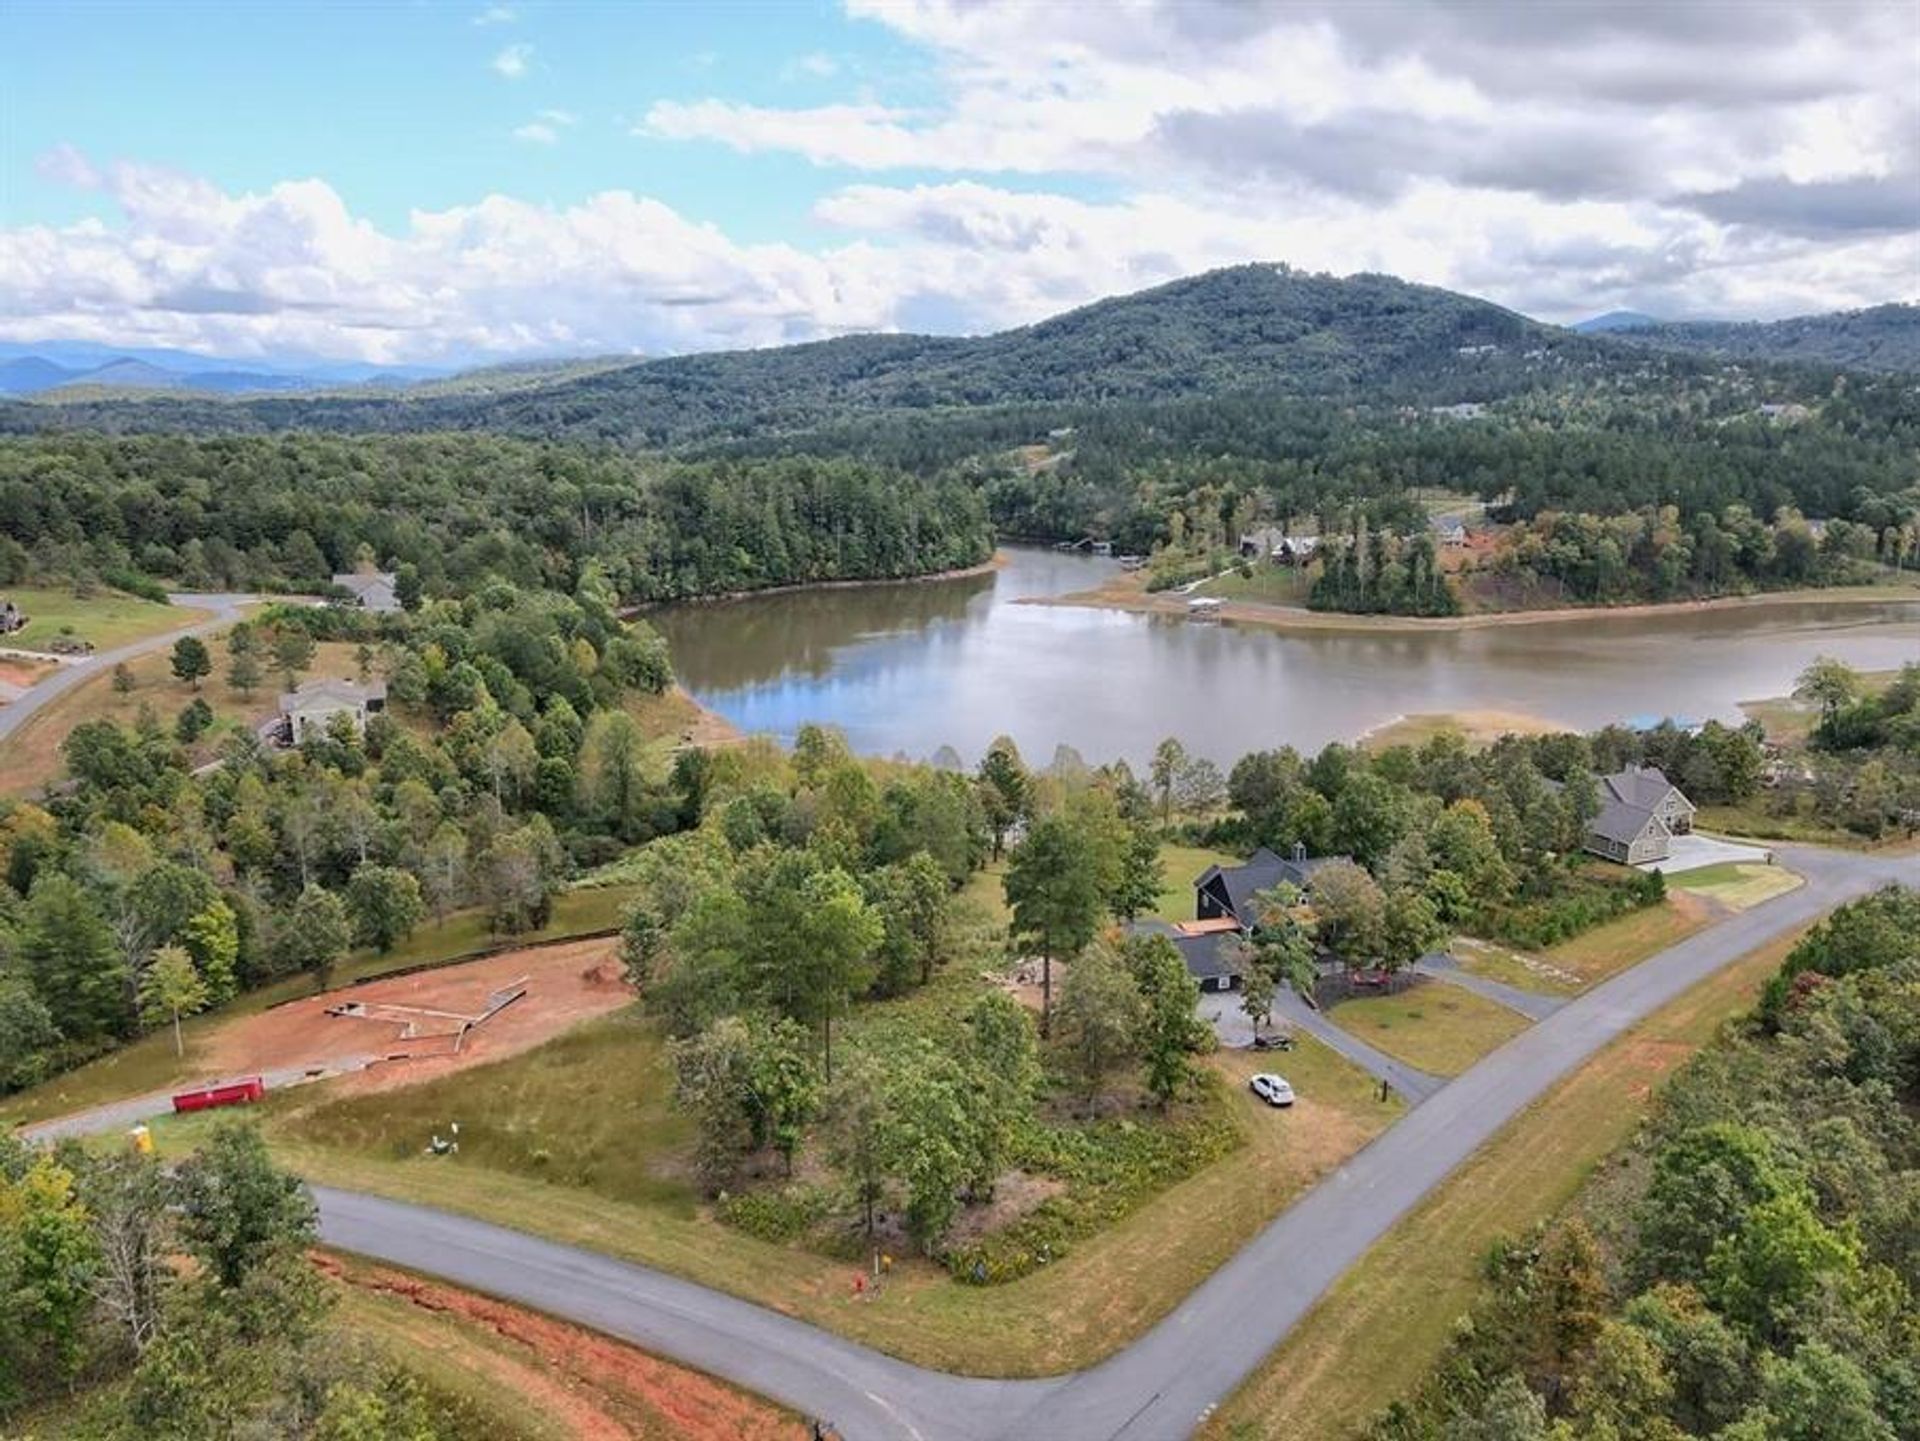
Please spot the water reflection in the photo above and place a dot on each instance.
(916, 666)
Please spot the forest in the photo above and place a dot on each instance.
(288, 513)
(1748, 1267)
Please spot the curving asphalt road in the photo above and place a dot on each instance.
(226, 610)
(1166, 1383)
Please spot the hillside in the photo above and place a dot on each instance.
(1884, 338)
(1259, 327)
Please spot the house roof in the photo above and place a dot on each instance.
(1263, 871)
(360, 582)
(1208, 956)
(1623, 823)
(326, 691)
(1643, 786)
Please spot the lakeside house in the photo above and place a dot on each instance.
(371, 590)
(1228, 892)
(1274, 544)
(12, 618)
(1641, 811)
(1217, 943)
(310, 710)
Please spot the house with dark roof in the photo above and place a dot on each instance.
(1216, 956)
(1229, 891)
(1641, 811)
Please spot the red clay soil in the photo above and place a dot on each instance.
(565, 985)
(582, 1379)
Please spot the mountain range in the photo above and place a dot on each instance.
(74, 369)
(1268, 328)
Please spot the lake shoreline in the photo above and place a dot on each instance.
(994, 562)
(1298, 618)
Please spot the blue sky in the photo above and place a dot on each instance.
(450, 182)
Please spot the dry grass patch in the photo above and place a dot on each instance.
(1383, 1324)
(1432, 1026)
(1607, 950)
(1496, 962)
(30, 757)
(1478, 728)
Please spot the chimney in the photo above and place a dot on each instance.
(1299, 851)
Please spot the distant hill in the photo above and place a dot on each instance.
(30, 374)
(1885, 338)
(1614, 320)
(85, 370)
(1264, 327)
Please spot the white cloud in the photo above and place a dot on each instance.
(512, 62)
(292, 269)
(816, 64)
(496, 15)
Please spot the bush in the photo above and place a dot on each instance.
(779, 1215)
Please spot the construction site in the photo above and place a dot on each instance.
(405, 1028)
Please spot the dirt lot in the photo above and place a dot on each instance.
(566, 984)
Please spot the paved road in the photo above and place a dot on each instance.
(1163, 1385)
(225, 608)
(1444, 968)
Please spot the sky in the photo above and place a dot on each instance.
(451, 183)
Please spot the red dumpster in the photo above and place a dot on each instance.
(234, 1093)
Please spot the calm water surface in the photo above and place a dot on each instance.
(910, 668)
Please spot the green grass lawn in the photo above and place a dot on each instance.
(108, 618)
(1269, 583)
(149, 1063)
(1736, 884)
(1180, 866)
(1440, 1029)
(1384, 1323)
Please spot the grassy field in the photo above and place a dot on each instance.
(1273, 584)
(1383, 1324)
(1607, 950)
(1438, 1028)
(1179, 866)
(1497, 962)
(30, 757)
(149, 1064)
(107, 618)
(1737, 885)
(575, 1140)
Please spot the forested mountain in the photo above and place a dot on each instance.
(1262, 327)
(1883, 338)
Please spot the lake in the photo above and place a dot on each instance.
(908, 668)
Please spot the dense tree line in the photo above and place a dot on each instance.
(142, 891)
(1653, 555)
(1749, 1268)
(291, 511)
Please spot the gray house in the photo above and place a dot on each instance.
(372, 590)
(309, 710)
(1229, 891)
(1641, 811)
(1216, 959)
